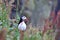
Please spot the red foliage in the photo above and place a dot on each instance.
(3, 34)
(46, 26)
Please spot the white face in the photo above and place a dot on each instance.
(25, 19)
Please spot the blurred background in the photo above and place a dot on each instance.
(37, 11)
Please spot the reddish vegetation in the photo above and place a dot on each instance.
(21, 35)
(58, 27)
(58, 20)
(3, 34)
(49, 22)
(46, 26)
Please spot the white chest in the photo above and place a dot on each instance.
(22, 26)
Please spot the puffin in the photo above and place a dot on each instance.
(22, 23)
(22, 26)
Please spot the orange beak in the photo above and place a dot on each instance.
(26, 20)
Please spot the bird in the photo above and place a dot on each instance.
(22, 23)
(22, 26)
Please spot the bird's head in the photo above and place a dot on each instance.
(25, 19)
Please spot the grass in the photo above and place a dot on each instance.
(13, 33)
